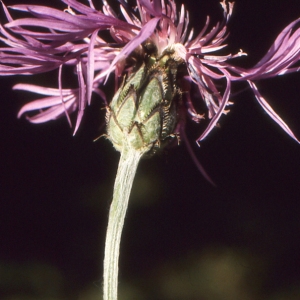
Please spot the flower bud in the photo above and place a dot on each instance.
(142, 114)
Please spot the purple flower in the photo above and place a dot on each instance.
(99, 44)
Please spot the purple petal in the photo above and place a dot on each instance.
(217, 116)
(90, 66)
(145, 32)
(42, 103)
(82, 98)
(153, 8)
(268, 109)
(276, 45)
(51, 113)
(55, 25)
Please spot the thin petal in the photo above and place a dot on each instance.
(217, 116)
(145, 32)
(82, 98)
(268, 109)
(90, 66)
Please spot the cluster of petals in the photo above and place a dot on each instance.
(103, 43)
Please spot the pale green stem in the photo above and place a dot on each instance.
(129, 161)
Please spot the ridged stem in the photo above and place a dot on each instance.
(128, 163)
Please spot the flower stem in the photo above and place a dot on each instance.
(128, 163)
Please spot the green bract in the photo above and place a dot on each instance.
(142, 114)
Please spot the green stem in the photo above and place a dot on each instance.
(129, 161)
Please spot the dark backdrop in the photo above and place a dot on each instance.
(56, 190)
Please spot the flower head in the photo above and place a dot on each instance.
(100, 43)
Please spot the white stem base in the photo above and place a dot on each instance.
(129, 161)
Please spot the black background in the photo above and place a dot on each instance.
(56, 188)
